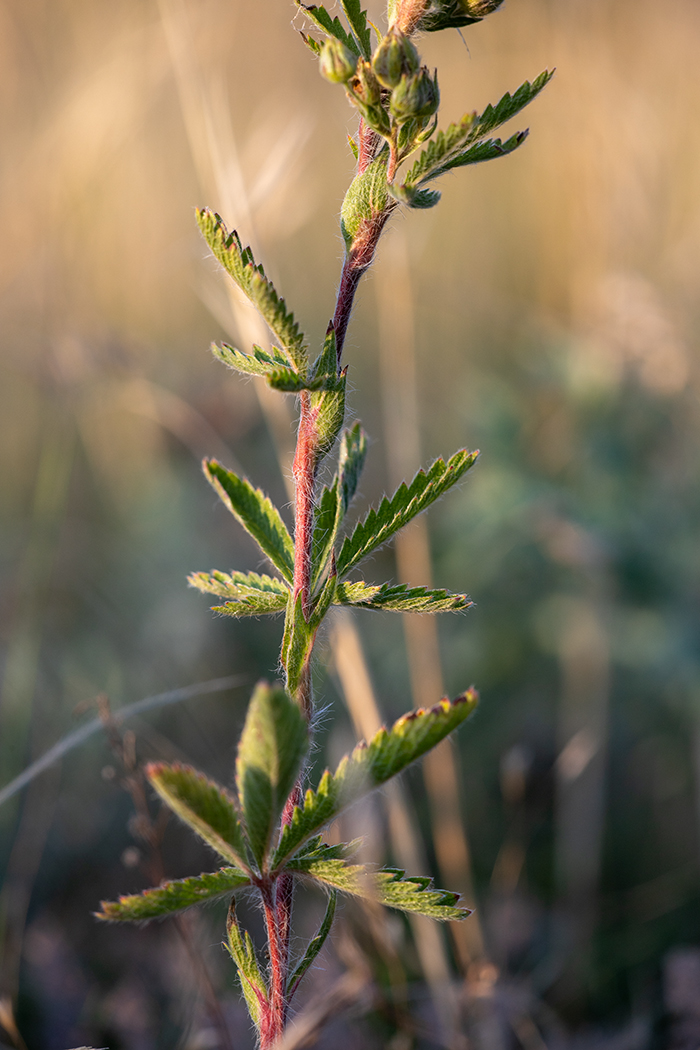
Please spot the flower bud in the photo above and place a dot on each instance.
(415, 97)
(453, 14)
(395, 57)
(336, 62)
(366, 92)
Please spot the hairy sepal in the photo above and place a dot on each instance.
(250, 278)
(173, 896)
(408, 501)
(249, 594)
(203, 805)
(256, 513)
(271, 751)
(388, 886)
(368, 766)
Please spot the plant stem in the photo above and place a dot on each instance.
(274, 1020)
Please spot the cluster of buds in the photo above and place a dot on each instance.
(391, 89)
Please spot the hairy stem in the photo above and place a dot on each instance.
(273, 1020)
(304, 470)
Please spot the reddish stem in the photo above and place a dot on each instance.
(304, 471)
(274, 1017)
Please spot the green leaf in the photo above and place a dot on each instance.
(448, 146)
(242, 952)
(369, 765)
(358, 23)
(331, 26)
(249, 593)
(494, 116)
(335, 500)
(488, 149)
(173, 896)
(351, 460)
(399, 598)
(272, 748)
(312, 44)
(251, 279)
(415, 198)
(386, 886)
(297, 643)
(256, 513)
(259, 363)
(366, 199)
(203, 805)
(405, 504)
(326, 522)
(290, 382)
(314, 947)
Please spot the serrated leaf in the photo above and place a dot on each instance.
(259, 363)
(242, 951)
(351, 460)
(326, 521)
(387, 886)
(272, 748)
(369, 765)
(297, 643)
(250, 278)
(331, 26)
(173, 896)
(335, 500)
(358, 23)
(256, 513)
(314, 947)
(408, 501)
(441, 154)
(249, 593)
(399, 598)
(312, 44)
(288, 381)
(488, 149)
(415, 198)
(203, 805)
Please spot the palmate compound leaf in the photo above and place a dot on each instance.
(399, 598)
(387, 886)
(408, 501)
(443, 151)
(250, 278)
(203, 805)
(368, 766)
(173, 896)
(271, 751)
(256, 513)
(248, 593)
(358, 23)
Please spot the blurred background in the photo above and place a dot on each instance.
(547, 313)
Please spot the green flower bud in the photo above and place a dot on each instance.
(365, 91)
(336, 62)
(415, 97)
(395, 57)
(453, 14)
(365, 86)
